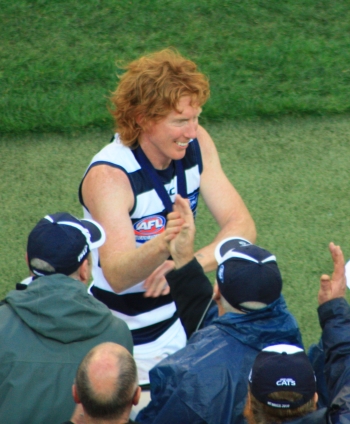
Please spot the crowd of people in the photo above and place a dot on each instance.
(150, 340)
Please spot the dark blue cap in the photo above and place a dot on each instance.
(246, 273)
(282, 368)
(63, 241)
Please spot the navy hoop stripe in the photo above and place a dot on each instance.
(152, 332)
(131, 304)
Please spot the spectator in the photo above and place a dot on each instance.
(282, 386)
(206, 382)
(47, 329)
(105, 386)
(282, 383)
(130, 186)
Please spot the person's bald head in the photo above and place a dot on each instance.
(106, 382)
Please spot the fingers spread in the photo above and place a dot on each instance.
(156, 284)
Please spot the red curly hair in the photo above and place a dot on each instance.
(151, 88)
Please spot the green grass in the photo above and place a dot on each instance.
(292, 174)
(58, 59)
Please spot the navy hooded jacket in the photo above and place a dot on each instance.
(206, 382)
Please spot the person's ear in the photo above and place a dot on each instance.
(315, 399)
(217, 298)
(27, 260)
(85, 271)
(136, 398)
(139, 120)
(75, 394)
(216, 292)
(145, 124)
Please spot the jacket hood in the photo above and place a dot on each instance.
(59, 307)
(261, 328)
(316, 417)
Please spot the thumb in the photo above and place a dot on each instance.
(325, 292)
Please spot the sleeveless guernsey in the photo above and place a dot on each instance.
(156, 329)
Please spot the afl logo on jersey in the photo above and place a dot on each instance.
(150, 226)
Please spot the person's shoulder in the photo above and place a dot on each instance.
(4, 307)
(120, 333)
(203, 136)
(207, 146)
(117, 322)
(115, 145)
(109, 326)
(113, 156)
(207, 333)
(207, 354)
(201, 344)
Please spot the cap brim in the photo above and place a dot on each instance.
(227, 245)
(96, 231)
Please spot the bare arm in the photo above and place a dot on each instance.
(223, 201)
(108, 196)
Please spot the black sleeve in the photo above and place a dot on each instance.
(334, 318)
(192, 293)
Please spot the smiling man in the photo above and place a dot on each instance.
(159, 150)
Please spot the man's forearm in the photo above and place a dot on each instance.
(205, 255)
(124, 270)
(192, 293)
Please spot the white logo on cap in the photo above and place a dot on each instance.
(83, 253)
(243, 243)
(285, 382)
(221, 273)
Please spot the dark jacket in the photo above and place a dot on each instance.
(334, 318)
(206, 382)
(192, 293)
(45, 331)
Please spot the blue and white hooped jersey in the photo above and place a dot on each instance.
(153, 322)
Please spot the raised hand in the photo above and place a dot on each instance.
(181, 246)
(331, 288)
(179, 236)
(156, 284)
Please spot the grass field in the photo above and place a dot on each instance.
(280, 82)
(291, 172)
(58, 59)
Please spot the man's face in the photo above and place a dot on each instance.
(168, 139)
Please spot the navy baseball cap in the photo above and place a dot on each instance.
(246, 273)
(282, 368)
(63, 241)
